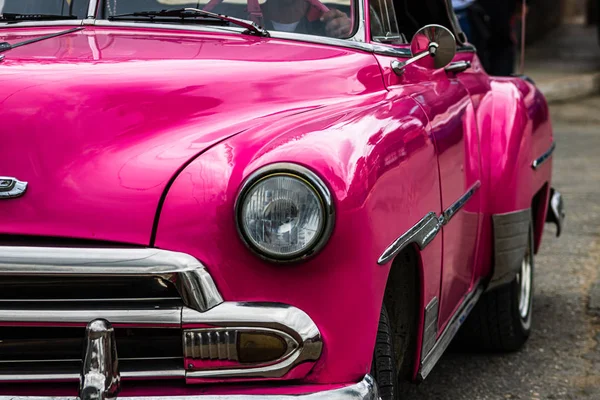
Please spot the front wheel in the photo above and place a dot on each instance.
(501, 320)
(383, 368)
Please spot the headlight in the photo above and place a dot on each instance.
(284, 212)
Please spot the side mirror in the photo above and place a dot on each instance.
(434, 43)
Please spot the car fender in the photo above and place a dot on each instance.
(378, 160)
(515, 130)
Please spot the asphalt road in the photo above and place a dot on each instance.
(562, 357)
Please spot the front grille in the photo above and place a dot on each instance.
(49, 295)
(42, 329)
(56, 344)
(85, 289)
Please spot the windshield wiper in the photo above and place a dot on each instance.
(182, 13)
(12, 17)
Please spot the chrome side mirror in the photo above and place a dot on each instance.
(434, 43)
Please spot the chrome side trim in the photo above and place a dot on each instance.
(11, 188)
(100, 377)
(193, 282)
(421, 234)
(424, 231)
(556, 210)
(511, 236)
(280, 317)
(148, 317)
(451, 211)
(363, 390)
(430, 327)
(429, 360)
(544, 157)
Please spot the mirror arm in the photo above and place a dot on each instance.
(399, 67)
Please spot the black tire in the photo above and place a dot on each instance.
(499, 322)
(383, 368)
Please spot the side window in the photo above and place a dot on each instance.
(384, 25)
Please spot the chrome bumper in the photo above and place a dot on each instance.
(364, 390)
(556, 210)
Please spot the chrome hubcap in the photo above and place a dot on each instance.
(524, 279)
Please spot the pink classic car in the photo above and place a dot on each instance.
(258, 199)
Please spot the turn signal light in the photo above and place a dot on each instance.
(260, 347)
(227, 348)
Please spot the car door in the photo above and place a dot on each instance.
(449, 108)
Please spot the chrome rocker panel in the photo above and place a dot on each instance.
(430, 356)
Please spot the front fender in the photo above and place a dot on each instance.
(372, 158)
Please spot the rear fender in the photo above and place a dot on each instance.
(515, 131)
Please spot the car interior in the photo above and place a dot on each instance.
(61, 7)
(412, 15)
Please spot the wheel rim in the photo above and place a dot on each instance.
(524, 279)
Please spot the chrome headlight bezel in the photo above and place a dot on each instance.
(313, 182)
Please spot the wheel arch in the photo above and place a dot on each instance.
(404, 301)
(539, 209)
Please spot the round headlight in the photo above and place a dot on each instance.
(284, 212)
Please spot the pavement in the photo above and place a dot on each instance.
(561, 360)
(566, 63)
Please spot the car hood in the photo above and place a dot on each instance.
(99, 121)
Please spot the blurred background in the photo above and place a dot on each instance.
(561, 360)
(563, 47)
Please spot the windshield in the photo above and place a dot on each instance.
(332, 18)
(54, 7)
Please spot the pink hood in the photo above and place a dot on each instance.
(99, 121)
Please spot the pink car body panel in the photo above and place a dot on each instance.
(106, 128)
(144, 137)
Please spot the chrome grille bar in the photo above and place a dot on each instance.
(70, 371)
(193, 282)
(143, 317)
